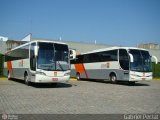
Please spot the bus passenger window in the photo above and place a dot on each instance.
(32, 57)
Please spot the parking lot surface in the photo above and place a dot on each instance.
(79, 97)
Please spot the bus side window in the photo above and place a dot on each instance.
(108, 55)
(80, 59)
(32, 57)
(124, 59)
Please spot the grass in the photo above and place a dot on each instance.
(73, 79)
(156, 78)
(3, 78)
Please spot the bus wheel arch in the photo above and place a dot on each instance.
(78, 76)
(113, 77)
(26, 78)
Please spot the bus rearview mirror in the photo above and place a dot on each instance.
(131, 58)
(36, 50)
(155, 58)
(72, 54)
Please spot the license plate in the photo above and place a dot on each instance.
(143, 78)
(55, 79)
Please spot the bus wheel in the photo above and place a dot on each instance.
(113, 78)
(26, 79)
(9, 75)
(78, 76)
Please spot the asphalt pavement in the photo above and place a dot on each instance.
(80, 97)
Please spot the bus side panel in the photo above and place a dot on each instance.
(19, 67)
(97, 74)
(18, 73)
(101, 70)
(105, 74)
(122, 75)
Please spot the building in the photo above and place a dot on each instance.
(2, 51)
(81, 47)
(152, 46)
(12, 44)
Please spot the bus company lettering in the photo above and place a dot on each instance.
(21, 63)
(55, 73)
(106, 65)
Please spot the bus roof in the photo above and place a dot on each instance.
(33, 42)
(112, 48)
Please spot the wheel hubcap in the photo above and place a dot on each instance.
(78, 76)
(113, 78)
(26, 79)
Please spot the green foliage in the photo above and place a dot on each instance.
(156, 70)
(1, 65)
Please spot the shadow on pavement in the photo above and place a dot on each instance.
(44, 85)
(118, 83)
(133, 84)
(51, 85)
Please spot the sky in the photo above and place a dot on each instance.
(112, 22)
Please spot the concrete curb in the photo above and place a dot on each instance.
(73, 79)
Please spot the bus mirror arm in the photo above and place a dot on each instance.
(36, 50)
(131, 58)
(72, 54)
(156, 60)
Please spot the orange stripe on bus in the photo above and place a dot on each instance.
(9, 66)
(81, 69)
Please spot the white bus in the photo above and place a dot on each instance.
(115, 64)
(38, 62)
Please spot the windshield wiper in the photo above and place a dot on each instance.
(60, 66)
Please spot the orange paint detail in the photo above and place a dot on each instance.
(9, 66)
(79, 68)
(108, 65)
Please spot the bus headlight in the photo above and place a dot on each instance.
(66, 74)
(41, 73)
(134, 75)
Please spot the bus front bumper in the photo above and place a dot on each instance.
(140, 76)
(51, 79)
(140, 79)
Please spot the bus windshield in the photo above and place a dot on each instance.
(53, 57)
(142, 61)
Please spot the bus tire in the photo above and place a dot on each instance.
(9, 75)
(113, 78)
(78, 76)
(26, 79)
